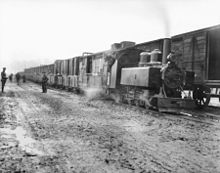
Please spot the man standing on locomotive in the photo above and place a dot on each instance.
(171, 60)
(172, 77)
(3, 78)
(44, 83)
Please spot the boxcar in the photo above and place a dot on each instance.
(73, 73)
(199, 51)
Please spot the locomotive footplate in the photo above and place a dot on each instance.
(174, 105)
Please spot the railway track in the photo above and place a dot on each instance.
(210, 115)
(196, 116)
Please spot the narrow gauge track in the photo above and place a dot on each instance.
(197, 116)
(201, 116)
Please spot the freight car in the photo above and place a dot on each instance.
(35, 73)
(199, 51)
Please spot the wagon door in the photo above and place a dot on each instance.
(214, 55)
(194, 49)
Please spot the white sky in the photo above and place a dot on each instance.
(34, 32)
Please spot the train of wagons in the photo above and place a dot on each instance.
(141, 74)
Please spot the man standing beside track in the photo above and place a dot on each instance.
(18, 76)
(44, 82)
(3, 78)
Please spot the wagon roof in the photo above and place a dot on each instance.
(198, 30)
(148, 42)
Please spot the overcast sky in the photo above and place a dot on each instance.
(34, 32)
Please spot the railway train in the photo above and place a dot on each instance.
(140, 74)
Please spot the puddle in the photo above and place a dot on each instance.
(28, 144)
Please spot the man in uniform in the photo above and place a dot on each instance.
(18, 76)
(173, 79)
(44, 82)
(24, 78)
(3, 78)
(10, 77)
(56, 80)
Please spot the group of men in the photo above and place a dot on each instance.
(18, 77)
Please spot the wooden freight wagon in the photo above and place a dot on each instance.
(199, 51)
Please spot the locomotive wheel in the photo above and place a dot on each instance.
(136, 102)
(201, 95)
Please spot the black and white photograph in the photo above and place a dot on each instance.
(110, 86)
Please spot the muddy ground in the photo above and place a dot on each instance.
(64, 132)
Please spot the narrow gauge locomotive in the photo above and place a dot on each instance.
(141, 75)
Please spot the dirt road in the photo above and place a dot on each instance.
(63, 132)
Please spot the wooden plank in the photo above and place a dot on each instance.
(201, 38)
(187, 40)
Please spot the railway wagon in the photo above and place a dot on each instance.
(50, 73)
(73, 73)
(57, 78)
(92, 70)
(96, 70)
(32, 73)
(65, 73)
(35, 73)
(199, 51)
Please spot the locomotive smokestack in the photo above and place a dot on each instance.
(166, 50)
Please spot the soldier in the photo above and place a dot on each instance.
(24, 78)
(3, 78)
(56, 80)
(18, 76)
(11, 77)
(44, 83)
(172, 82)
(171, 58)
(171, 61)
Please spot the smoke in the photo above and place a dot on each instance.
(100, 94)
(163, 16)
(115, 97)
(94, 93)
(159, 11)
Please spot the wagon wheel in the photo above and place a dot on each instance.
(201, 95)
